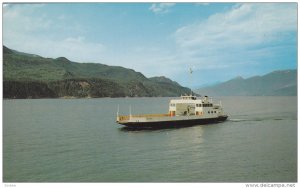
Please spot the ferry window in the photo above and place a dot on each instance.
(215, 111)
(209, 112)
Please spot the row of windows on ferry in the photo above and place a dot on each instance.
(211, 112)
(204, 105)
(197, 105)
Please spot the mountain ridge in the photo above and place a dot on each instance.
(276, 83)
(32, 76)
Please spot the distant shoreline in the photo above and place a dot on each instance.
(70, 97)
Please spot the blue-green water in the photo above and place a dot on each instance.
(77, 140)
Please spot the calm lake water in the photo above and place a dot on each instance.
(77, 140)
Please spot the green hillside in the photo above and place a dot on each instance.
(19, 66)
(31, 76)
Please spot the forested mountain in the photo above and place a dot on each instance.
(32, 76)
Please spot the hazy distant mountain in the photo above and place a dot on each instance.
(277, 83)
(206, 85)
(32, 76)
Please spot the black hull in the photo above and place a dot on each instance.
(173, 124)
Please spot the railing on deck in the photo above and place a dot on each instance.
(127, 117)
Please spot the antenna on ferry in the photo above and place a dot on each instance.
(191, 72)
(118, 110)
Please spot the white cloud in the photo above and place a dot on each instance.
(74, 48)
(161, 8)
(17, 19)
(47, 36)
(231, 36)
(202, 4)
(246, 25)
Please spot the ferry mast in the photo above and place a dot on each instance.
(191, 72)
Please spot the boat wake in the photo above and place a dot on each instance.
(255, 119)
(238, 120)
(259, 119)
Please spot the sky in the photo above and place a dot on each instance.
(219, 41)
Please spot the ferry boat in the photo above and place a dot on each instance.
(183, 112)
